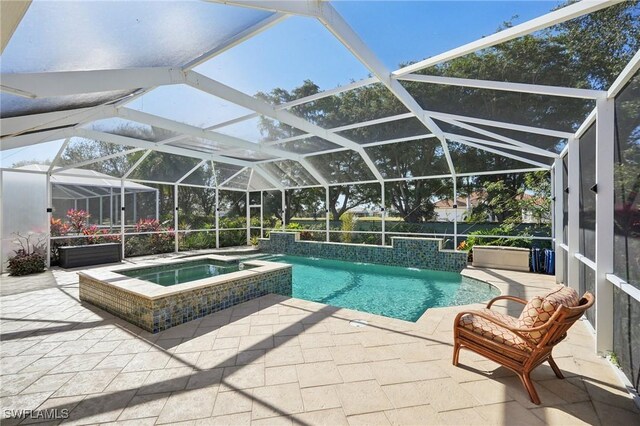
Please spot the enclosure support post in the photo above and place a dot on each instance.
(248, 208)
(75, 204)
(605, 141)
(455, 213)
(122, 215)
(558, 219)
(175, 218)
(573, 231)
(158, 205)
(217, 219)
(327, 213)
(284, 210)
(110, 210)
(135, 208)
(261, 214)
(86, 208)
(383, 213)
(101, 213)
(49, 215)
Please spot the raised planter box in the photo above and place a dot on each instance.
(511, 258)
(94, 254)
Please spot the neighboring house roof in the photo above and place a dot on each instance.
(447, 203)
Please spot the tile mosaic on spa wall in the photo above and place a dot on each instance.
(423, 253)
(158, 314)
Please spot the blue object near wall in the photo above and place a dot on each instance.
(543, 261)
(423, 253)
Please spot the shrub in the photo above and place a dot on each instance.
(77, 219)
(59, 228)
(161, 241)
(29, 258)
(348, 226)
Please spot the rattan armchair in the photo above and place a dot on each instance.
(510, 342)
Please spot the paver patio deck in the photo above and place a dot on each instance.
(278, 360)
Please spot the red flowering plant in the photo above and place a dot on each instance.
(153, 238)
(98, 236)
(59, 228)
(77, 219)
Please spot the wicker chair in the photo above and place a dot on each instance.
(521, 344)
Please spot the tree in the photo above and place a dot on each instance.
(586, 52)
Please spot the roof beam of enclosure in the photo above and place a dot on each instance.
(627, 74)
(196, 167)
(47, 84)
(27, 139)
(552, 18)
(503, 145)
(268, 176)
(336, 24)
(230, 94)
(501, 124)
(304, 8)
(304, 100)
(496, 136)
(97, 160)
(536, 89)
(197, 132)
(139, 143)
(14, 126)
(464, 141)
(220, 138)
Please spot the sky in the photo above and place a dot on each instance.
(301, 48)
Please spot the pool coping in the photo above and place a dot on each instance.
(152, 291)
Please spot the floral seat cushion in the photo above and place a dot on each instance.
(539, 309)
(493, 331)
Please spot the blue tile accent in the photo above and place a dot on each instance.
(423, 253)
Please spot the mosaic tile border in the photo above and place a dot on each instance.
(423, 253)
(156, 313)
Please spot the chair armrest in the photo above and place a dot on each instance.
(512, 298)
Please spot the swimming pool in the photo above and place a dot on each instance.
(391, 291)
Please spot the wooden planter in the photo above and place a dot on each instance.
(94, 254)
(511, 258)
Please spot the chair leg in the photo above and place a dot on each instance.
(555, 368)
(528, 385)
(456, 352)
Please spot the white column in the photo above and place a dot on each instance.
(122, 215)
(111, 210)
(573, 231)
(558, 237)
(175, 218)
(605, 141)
(157, 204)
(135, 208)
(455, 213)
(49, 204)
(217, 219)
(101, 211)
(327, 213)
(383, 213)
(86, 205)
(248, 208)
(284, 213)
(261, 214)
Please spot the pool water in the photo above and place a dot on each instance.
(391, 291)
(183, 272)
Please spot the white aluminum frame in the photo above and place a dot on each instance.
(38, 128)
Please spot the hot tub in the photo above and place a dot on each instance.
(132, 294)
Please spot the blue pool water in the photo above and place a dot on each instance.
(183, 272)
(392, 291)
